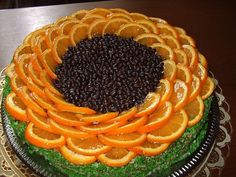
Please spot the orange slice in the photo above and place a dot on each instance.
(201, 73)
(53, 97)
(181, 57)
(37, 65)
(80, 14)
(172, 130)
(184, 74)
(35, 36)
(16, 83)
(10, 70)
(131, 30)
(51, 34)
(181, 31)
(28, 38)
(96, 28)
(91, 18)
(60, 46)
(49, 64)
(192, 56)
(39, 121)
(157, 20)
(22, 49)
(150, 149)
(164, 89)
(207, 88)
(148, 39)
(149, 25)
(40, 46)
(202, 60)
(167, 29)
(149, 105)
(76, 158)
(66, 26)
(34, 75)
(25, 97)
(170, 70)
(164, 50)
(194, 110)
(78, 33)
(123, 16)
(194, 88)
(123, 140)
(64, 19)
(171, 41)
(16, 107)
(130, 127)
(74, 109)
(179, 95)
(89, 146)
(157, 118)
(43, 102)
(99, 117)
(67, 130)
(119, 10)
(42, 138)
(186, 40)
(21, 67)
(100, 11)
(116, 157)
(113, 25)
(98, 128)
(66, 118)
(138, 16)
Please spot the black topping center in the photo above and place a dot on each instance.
(108, 73)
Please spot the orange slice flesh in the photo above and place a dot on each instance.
(64, 19)
(207, 88)
(74, 109)
(192, 56)
(38, 33)
(66, 118)
(40, 47)
(158, 118)
(91, 18)
(138, 16)
(10, 70)
(37, 65)
(164, 89)
(130, 127)
(34, 75)
(179, 95)
(89, 146)
(131, 30)
(96, 28)
(181, 31)
(186, 40)
(53, 97)
(116, 157)
(100, 11)
(21, 67)
(66, 26)
(80, 14)
(39, 121)
(194, 88)
(148, 39)
(113, 25)
(48, 82)
(149, 25)
(167, 29)
(22, 49)
(171, 41)
(76, 158)
(150, 149)
(120, 16)
(42, 138)
(60, 46)
(181, 57)
(16, 83)
(201, 73)
(164, 50)
(149, 105)
(119, 10)
(25, 97)
(123, 140)
(43, 102)
(194, 110)
(28, 38)
(170, 70)
(49, 64)
(98, 128)
(172, 130)
(67, 130)
(99, 117)
(16, 107)
(51, 34)
(184, 74)
(157, 20)
(78, 33)
(202, 60)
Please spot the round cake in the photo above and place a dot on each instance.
(106, 92)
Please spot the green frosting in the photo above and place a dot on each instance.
(160, 165)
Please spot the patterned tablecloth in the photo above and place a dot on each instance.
(11, 165)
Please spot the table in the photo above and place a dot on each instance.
(211, 23)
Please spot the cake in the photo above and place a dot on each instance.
(106, 92)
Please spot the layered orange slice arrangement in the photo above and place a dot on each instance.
(83, 135)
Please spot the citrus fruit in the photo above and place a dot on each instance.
(100, 11)
(119, 15)
(80, 14)
(63, 19)
(113, 25)
(171, 41)
(34, 75)
(51, 34)
(207, 88)
(201, 73)
(66, 26)
(22, 49)
(181, 31)
(119, 10)
(202, 60)
(116, 157)
(164, 50)
(96, 28)
(149, 105)
(170, 70)
(88, 19)
(181, 57)
(148, 39)
(166, 29)
(184, 74)
(10, 70)
(99, 117)
(42, 138)
(78, 33)
(131, 30)
(43, 102)
(74, 109)
(192, 56)
(172, 130)
(37, 65)
(16, 83)
(16, 107)
(186, 40)
(138, 16)
(40, 46)
(88, 146)
(164, 89)
(49, 64)
(194, 88)
(21, 67)
(157, 20)
(148, 24)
